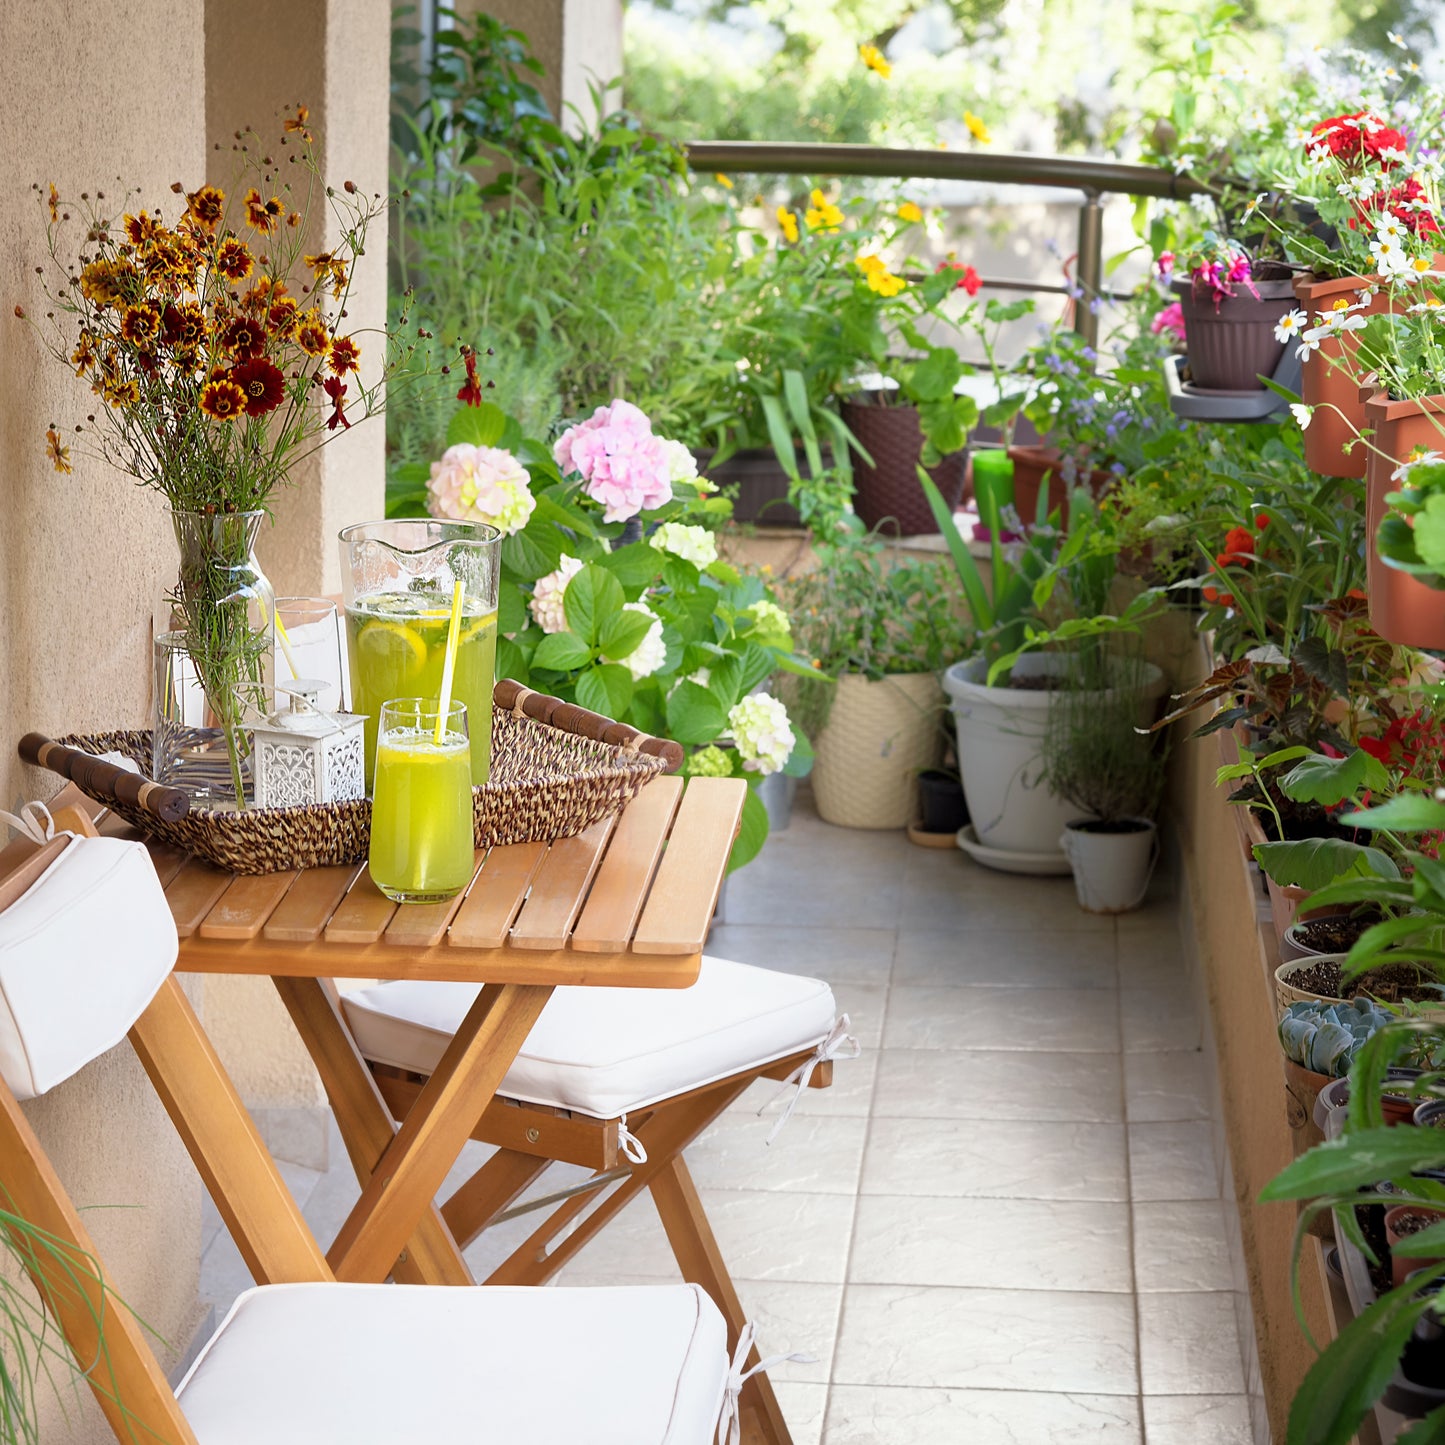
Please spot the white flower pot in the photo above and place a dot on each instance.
(878, 737)
(1000, 752)
(1111, 870)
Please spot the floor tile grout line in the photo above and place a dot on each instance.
(1129, 1189)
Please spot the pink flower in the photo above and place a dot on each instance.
(1165, 263)
(624, 466)
(1171, 318)
(481, 484)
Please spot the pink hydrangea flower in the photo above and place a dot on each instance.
(624, 466)
(1171, 318)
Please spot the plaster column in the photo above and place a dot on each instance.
(85, 558)
(336, 62)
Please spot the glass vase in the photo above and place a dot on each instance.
(216, 666)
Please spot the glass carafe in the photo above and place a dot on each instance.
(397, 579)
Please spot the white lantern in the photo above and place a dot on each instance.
(302, 755)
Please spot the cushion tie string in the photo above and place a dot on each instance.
(730, 1422)
(839, 1044)
(629, 1143)
(33, 822)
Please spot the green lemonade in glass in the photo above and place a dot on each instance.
(396, 646)
(421, 811)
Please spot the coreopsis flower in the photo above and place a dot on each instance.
(969, 280)
(693, 544)
(769, 620)
(296, 124)
(263, 382)
(262, 215)
(879, 278)
(222, 400)
(710, 762)
(206, 207)
(471, 389)
(976, 128)
(481, 484)
(311, 334)
(910, 212)
(788, 222)
(140, 229)
(141, 324)
(343, 355)
(233, 260)
(59, 455)
(875, 60)
(822, 214)
(102, 282)
(54, 202)
(547, 602)
(651, 652)
(623, 465)
(763, 733)
(335, 388)
(1291, 325)
(243, 338)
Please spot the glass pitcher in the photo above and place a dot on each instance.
(397, 579)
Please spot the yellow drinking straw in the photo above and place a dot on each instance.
(449, 663)
(286, 645)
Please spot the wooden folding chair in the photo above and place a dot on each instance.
(303, 1360)
(620, 1081)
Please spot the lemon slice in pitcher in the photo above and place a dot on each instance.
(391, 638)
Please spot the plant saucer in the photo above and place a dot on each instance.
(1007, 862)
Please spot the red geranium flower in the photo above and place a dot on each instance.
(1238, 546)
(263, 382)
(1401, 203)
(969, 281)
(1360, 136)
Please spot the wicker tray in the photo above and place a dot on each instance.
(556, 770)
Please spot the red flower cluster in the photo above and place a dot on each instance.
(1358, 137)
(969, 281)
(1238, 546)
(1397, 202)
(1407, 741)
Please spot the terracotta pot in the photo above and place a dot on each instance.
(1031, 465)
(886, 495)
(1402, 1265)
(1330, 380)
(1402, 608)
(1232, 346)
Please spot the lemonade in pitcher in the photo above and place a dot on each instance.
(396, 646)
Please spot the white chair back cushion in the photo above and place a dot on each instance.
(82, 954)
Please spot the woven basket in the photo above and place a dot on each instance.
(549, 779)
(878, 737)
(887, 495)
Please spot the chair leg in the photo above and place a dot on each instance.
(701, 1262)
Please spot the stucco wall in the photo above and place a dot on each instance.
(90, 94)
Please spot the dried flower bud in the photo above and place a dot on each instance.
(349, 187)
(20, 312)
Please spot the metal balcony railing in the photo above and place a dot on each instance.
(1093, 178)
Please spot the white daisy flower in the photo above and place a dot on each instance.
(1302, 414)
(1291, 324)
(1418, 457)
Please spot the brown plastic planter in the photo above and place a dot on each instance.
(886, 495)
(1403, 1265)
(1031, 465)
(1330, 380)
(1402, 608)
(1232, 347)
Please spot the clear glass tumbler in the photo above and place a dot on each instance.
(421, 809)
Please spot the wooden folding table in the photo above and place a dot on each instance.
(626, 904)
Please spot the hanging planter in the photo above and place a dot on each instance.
(886, 494)
(1231, 338)
(1403, 609)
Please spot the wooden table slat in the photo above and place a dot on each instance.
(192, 891)
(168, 861)
(560, 888)
(424, 925)
(362, 916)
(496, 896)
(245, 906)
(307, 908)
(620, 888)
(680, 905)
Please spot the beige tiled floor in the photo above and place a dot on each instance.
(1002, 1225)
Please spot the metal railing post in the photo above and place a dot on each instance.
(1090, 272)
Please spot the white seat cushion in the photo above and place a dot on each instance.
(604, 1051)
(376, 1364)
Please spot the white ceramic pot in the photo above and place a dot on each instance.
(1111, 870)
(1000, 752)
(878, 738)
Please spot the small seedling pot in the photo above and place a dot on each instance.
(1402, 1266)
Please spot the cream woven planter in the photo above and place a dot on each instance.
(879, 734)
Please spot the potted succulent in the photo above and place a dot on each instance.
(883, 629)
(1096, 759)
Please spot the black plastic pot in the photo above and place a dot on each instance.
(761, 482)
(941, 802)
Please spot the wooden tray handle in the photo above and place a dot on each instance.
(512, 696)
(104, 780)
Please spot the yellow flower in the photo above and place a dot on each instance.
(880, 279)
(873, 58)
(788, 220)
(976, 128)
(910, 212)
(822, 215)
(723, 181)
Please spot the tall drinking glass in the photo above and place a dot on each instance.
(421, 809)
(308, 647)
(398, 579)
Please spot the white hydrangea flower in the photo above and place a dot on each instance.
(651, 652)
(693, 544)
(763, 733)
(681, 464)
(549, 595)
(770, 619)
